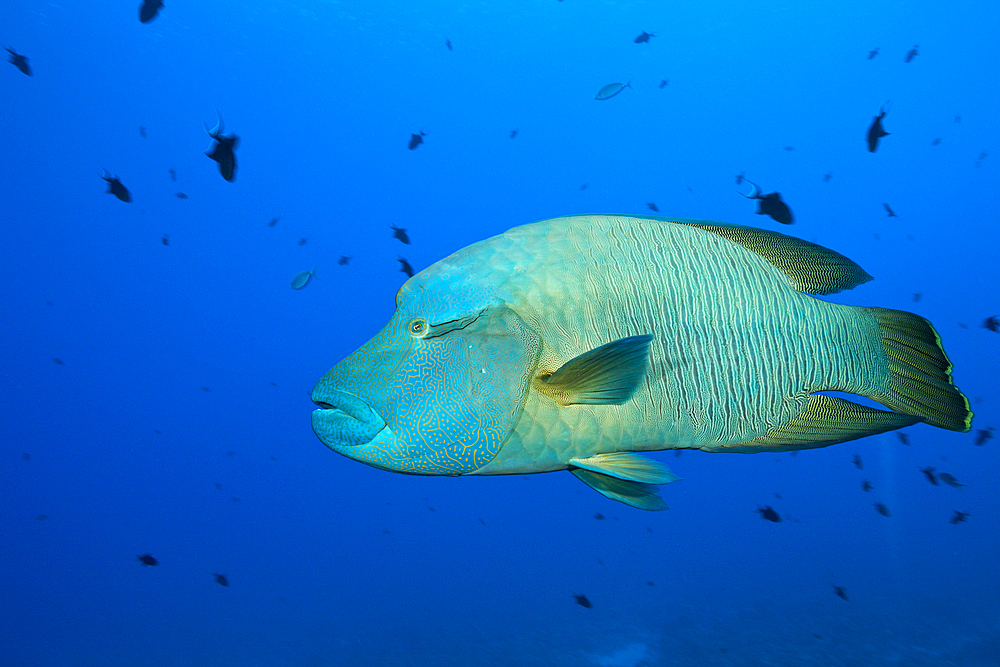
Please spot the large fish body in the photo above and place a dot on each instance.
(574, 343)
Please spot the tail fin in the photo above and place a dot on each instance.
(920, 372)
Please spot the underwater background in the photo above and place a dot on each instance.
(157, 365)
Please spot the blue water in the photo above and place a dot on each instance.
(177, 423)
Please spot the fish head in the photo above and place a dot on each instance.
(439, 389)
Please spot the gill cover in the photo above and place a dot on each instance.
(436, 392)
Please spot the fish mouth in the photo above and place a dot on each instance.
(344, 421)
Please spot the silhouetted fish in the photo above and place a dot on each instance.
(840, 592)
(992, 323)
(610, 90)
(142, 131)
(599, 516)
(19, 61)
(888, 209)
(273, 221)
(303, 241)
(400, 233)
(929, 473)
(767, 512)
(936, 141)
(404, 266)
(417, 139)
(149, 9)
(913, 53)
(644, 38)
(513, 133)
(856, 460)
(224, 150)
(983, 436)
(950, 480)
(147, 559)
(958, 517)
(447, 43)
(173, 174)
(58, 362)
(116, 188)
(652, 207)
(882, 509)
(165, 239)
(771, 205)
(582, 600)
(866, 485)
(663, 83)
(221, 579)
(302, 279)
(181, 195)
(344, 260)
(827, 177)
(876, 131)
(873, 53)
(903, 437)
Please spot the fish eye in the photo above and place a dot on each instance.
(418, 326)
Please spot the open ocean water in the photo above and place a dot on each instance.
(157, 366)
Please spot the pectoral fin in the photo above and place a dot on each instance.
(827, 420)
(606, 375)
(627, 466)
(636, 494)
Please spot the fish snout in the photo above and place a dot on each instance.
(344, 420)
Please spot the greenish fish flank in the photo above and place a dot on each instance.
(580, 342)
(302, 279)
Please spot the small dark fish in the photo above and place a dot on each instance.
(950, 480)
(912, 53)
(888, 209)
(882, 509)
(777, 495)
(873, 53)
(929, 473)
(149, 9)
(344, 260)
(59, 362)
(866, 485)
(447, 43)
(404, 266)
(417, 139)
(116, 188)
(41, 517)
(644, 38)
(840, 593)
(992, 323)
(653, 207)
(958, 119)
(218, 486)
(983, 436)
(224, 150)
(917, 296)
(610, 90)
(789, 148)
(165, 240)
(583, 187)
(19, 61)
(513, 133)
(206, 389)
(303, 241)
(958, 517)
(979, 160)
(221, 579)
(181, 195)
(876, 131)
(599, 516)
(856, 460)
(936, 142)
(147, 559)
(582, 600)
(273, 221)
(173, 174)
(142, 131)
(770, 204)
(25, 456)
(400, 233)
(664, 83)
(827, 177)
(903, 437)
(767, 512)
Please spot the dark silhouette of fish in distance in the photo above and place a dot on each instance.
(882, 509)
(221, 579)
(983, 436)
(644, 38)
(771, 205)
(888, 209)
(19, 61)
(404, 266)
(992, 323)
(873, 53)
(115, 187)
(416, 139)
(147, 559)
(610, 90)
(344, 260)
(856, 460)
(149, 9)
(582, 600)
(929, 473)
(840, 592)
(876, 131)
(400, 233)
(224, 149)
(912, 53)
(767, 513)
(958, 517)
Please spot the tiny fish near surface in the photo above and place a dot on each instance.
(579, 342)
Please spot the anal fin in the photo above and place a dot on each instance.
(827, 420)
(628, 466)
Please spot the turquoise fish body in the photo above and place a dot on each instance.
(578, 342)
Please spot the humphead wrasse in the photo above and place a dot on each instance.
(577, 343)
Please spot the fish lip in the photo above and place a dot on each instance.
(345, 421)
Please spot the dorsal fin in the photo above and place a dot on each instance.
(810, 267)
